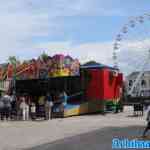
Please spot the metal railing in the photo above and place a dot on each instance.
(5, 85)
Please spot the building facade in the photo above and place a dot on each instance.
(143, 86)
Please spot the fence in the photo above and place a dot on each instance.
(5, 85)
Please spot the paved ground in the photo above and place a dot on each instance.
(95, 140)
(83, 132)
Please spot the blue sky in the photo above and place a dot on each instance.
(85, 29)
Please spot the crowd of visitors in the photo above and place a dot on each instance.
(29, 107)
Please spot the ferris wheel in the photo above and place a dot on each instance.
(131, 49)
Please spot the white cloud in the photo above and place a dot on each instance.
(18, 26)
(101, 52)
(131, 56)
(21, 21)
(75, 7)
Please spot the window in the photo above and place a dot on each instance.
(149, 83)
(130, 83)
(143, 83)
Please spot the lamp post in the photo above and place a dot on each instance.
(14, 78)
(14, 62)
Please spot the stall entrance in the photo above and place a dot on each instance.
(37, 90)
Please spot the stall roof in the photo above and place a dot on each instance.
(94, 65)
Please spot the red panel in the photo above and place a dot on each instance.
(120, 79)
(104, 85)
(112, 85)
(94, 89)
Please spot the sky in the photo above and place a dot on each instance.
(84, 29)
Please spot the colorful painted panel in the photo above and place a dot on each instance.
(41, 68)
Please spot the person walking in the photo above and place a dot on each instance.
(47, 110)
(13, 107)
(1, 109)
(48, 107)
(41, 107)
(7, 106)
(24, 107)
(18, 109)
(33, 111)
(50, 100)
(63, 99)
(148, 123)
(27, 112)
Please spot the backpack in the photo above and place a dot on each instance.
(1, 104)
(6, 101)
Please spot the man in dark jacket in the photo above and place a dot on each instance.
(7, 105)
(148, 123)
(1, 109)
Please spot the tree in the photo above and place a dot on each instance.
(44, 56)
(13, 60)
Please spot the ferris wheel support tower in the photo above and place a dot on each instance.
(139, 77)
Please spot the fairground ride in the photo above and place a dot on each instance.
(131, 54)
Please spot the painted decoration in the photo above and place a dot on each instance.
(56, 66)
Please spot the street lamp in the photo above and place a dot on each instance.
(14, 62)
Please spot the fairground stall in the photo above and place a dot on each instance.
(90, 88)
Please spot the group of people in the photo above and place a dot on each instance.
(5, 106)
(27, 108)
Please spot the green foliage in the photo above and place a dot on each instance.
(13, 60)
(44, 56)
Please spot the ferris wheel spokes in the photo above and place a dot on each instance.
(139, 77)
(122, 35)
(138, 43)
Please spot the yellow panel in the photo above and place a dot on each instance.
(88, 107)
(71, 112)
(82, 109)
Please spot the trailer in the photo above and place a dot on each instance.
(96, 89)
(104, 87)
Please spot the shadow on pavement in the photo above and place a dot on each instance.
(96, 140)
